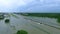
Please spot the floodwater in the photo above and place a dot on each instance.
(30, 24)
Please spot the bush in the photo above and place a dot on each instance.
(22, 32)
(7, 21)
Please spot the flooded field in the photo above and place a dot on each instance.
(31, 24)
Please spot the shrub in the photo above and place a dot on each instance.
(7, 21)
(22, 32)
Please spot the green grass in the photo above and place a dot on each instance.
(50, 15)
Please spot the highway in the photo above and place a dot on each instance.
(18, 22)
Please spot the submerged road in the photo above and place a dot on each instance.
(18, 22)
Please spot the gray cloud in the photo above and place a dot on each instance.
(29, 5)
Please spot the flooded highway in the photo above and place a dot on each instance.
(33, 25)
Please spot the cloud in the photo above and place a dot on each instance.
(29, 5)
(48, 6)
(7, 5)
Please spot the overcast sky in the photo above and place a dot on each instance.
(29, 6)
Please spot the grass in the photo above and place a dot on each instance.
(49, 15)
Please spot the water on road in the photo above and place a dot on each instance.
(32, 27)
